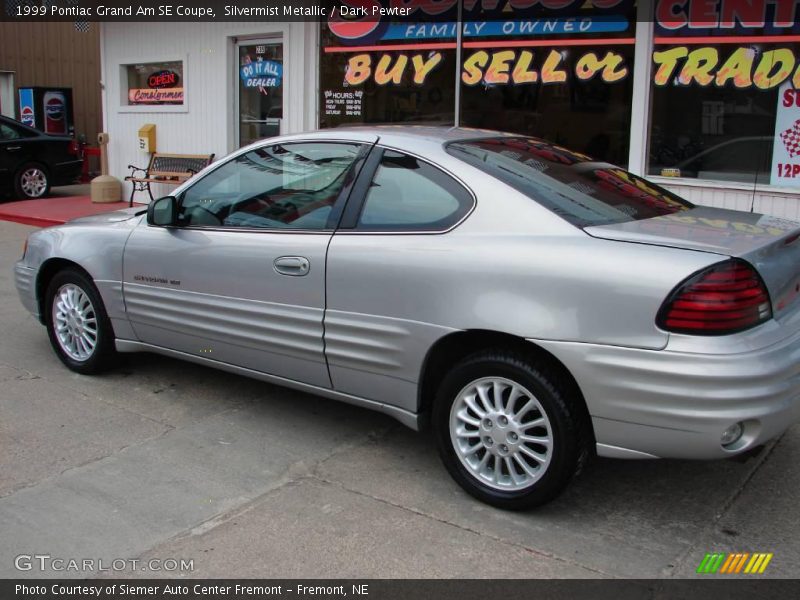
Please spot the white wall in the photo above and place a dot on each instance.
(207, 123)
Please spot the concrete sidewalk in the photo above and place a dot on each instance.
(166, 460)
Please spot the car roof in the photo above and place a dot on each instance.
(15, 123)
(11, 121)
(404, 137)
(440, 133)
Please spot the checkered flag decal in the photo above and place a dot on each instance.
(791, 139)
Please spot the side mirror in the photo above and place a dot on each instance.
(163, 212)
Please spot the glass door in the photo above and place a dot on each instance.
(7, 103)
(260, 85)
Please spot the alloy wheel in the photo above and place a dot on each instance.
(75, 322)
(33, 182)
(501, 433)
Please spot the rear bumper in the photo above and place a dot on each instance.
(67, 172)
(668, 404)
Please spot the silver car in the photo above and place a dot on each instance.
(532, 306)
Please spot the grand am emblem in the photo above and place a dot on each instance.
(149, 279)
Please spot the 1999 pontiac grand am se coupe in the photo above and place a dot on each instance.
(533, 305)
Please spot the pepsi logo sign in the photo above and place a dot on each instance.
(27, 115)
(55, 109)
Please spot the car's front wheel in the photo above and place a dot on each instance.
(510, 429)
(77, 324)
(32, 181)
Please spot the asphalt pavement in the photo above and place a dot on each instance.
(162, 461)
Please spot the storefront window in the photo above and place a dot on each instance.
(565, 75)
(575, 96)
(384, 80)
(159, 83)
(723, 94)
(714, 124)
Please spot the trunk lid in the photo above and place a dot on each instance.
(770, 244)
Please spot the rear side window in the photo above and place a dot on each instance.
(572, 185)
(408, 194)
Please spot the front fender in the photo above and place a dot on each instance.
(97, 249)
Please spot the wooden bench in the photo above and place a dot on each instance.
(171, 169)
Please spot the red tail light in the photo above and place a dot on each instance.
(73, 148)
(722, 299)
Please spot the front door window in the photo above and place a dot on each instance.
(279, 186)
(260, 91)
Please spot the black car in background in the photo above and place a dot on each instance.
(31, 161)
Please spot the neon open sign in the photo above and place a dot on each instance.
(163, 79)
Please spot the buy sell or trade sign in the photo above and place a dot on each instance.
(740, 67)
(499, 67)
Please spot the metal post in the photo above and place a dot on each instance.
(459, 32)
(642, 81)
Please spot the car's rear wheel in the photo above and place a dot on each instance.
(32, 181)
(510, 429)
(77, 324)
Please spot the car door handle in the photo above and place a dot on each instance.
(13, 148)
(296, 266)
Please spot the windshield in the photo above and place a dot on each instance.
(571, 185)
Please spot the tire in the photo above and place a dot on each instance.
(32, 181)
(73, 309)
(555, 415)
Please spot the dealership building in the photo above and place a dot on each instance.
(697, 95)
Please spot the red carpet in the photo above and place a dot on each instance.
(54, 211)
